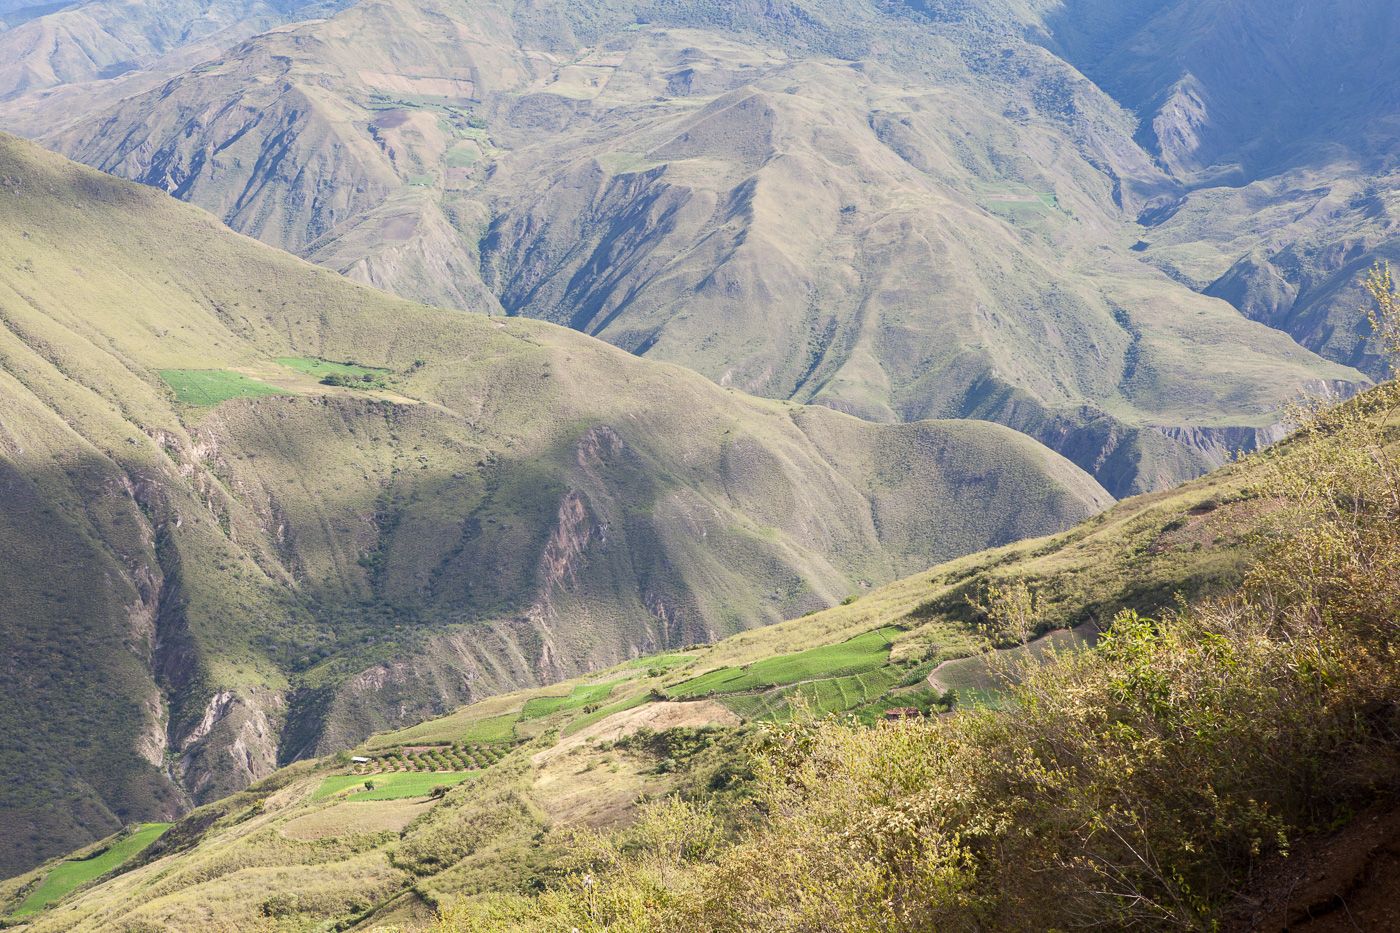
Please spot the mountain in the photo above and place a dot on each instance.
(1278, 122)
(589, 753)
(901, 211)
(60, 60)
(216, 562)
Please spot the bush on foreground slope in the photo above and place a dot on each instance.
(1142, 784)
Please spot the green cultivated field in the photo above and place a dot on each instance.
(207, 387)
(661, 662)
(70, 875)
(862, 653)
(601, 714)
(582, 695)
(832, 695)
(315, 366)
(392, 786)
(479, 730)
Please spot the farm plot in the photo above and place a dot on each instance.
(208, 387)
(69, 875)
(582, 695)
(858, 655)
(390, 786)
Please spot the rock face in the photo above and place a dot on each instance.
(194, 594)
(898, 211)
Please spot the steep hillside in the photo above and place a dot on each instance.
(255, 511)
(585, 752)
(1236, 719)
(898, 211)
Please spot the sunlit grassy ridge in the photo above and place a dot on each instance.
(283, 566)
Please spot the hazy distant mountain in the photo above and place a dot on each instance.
(1280, 121)
(899, 211)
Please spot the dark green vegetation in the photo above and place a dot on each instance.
(64, 877)
(900, 210)
(196, 594)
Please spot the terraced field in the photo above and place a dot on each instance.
(863, 653)
(582, 695)
(394, 786)
(830, 695)
(457, 756)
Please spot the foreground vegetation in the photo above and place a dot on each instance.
(1142, 784)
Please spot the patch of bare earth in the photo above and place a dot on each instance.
(583, 782)
(654, 716)
(1342, 883)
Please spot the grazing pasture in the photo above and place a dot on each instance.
(391, 786)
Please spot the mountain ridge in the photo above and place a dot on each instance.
(227, 581)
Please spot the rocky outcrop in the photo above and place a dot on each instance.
(232, 745)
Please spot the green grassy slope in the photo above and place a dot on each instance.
(563, 768)
(66, 876)
(196, 567)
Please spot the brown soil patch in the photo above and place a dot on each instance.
(582, 785)
(1346, 882)
(399, 227)
(654, 716)
(390, 119)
